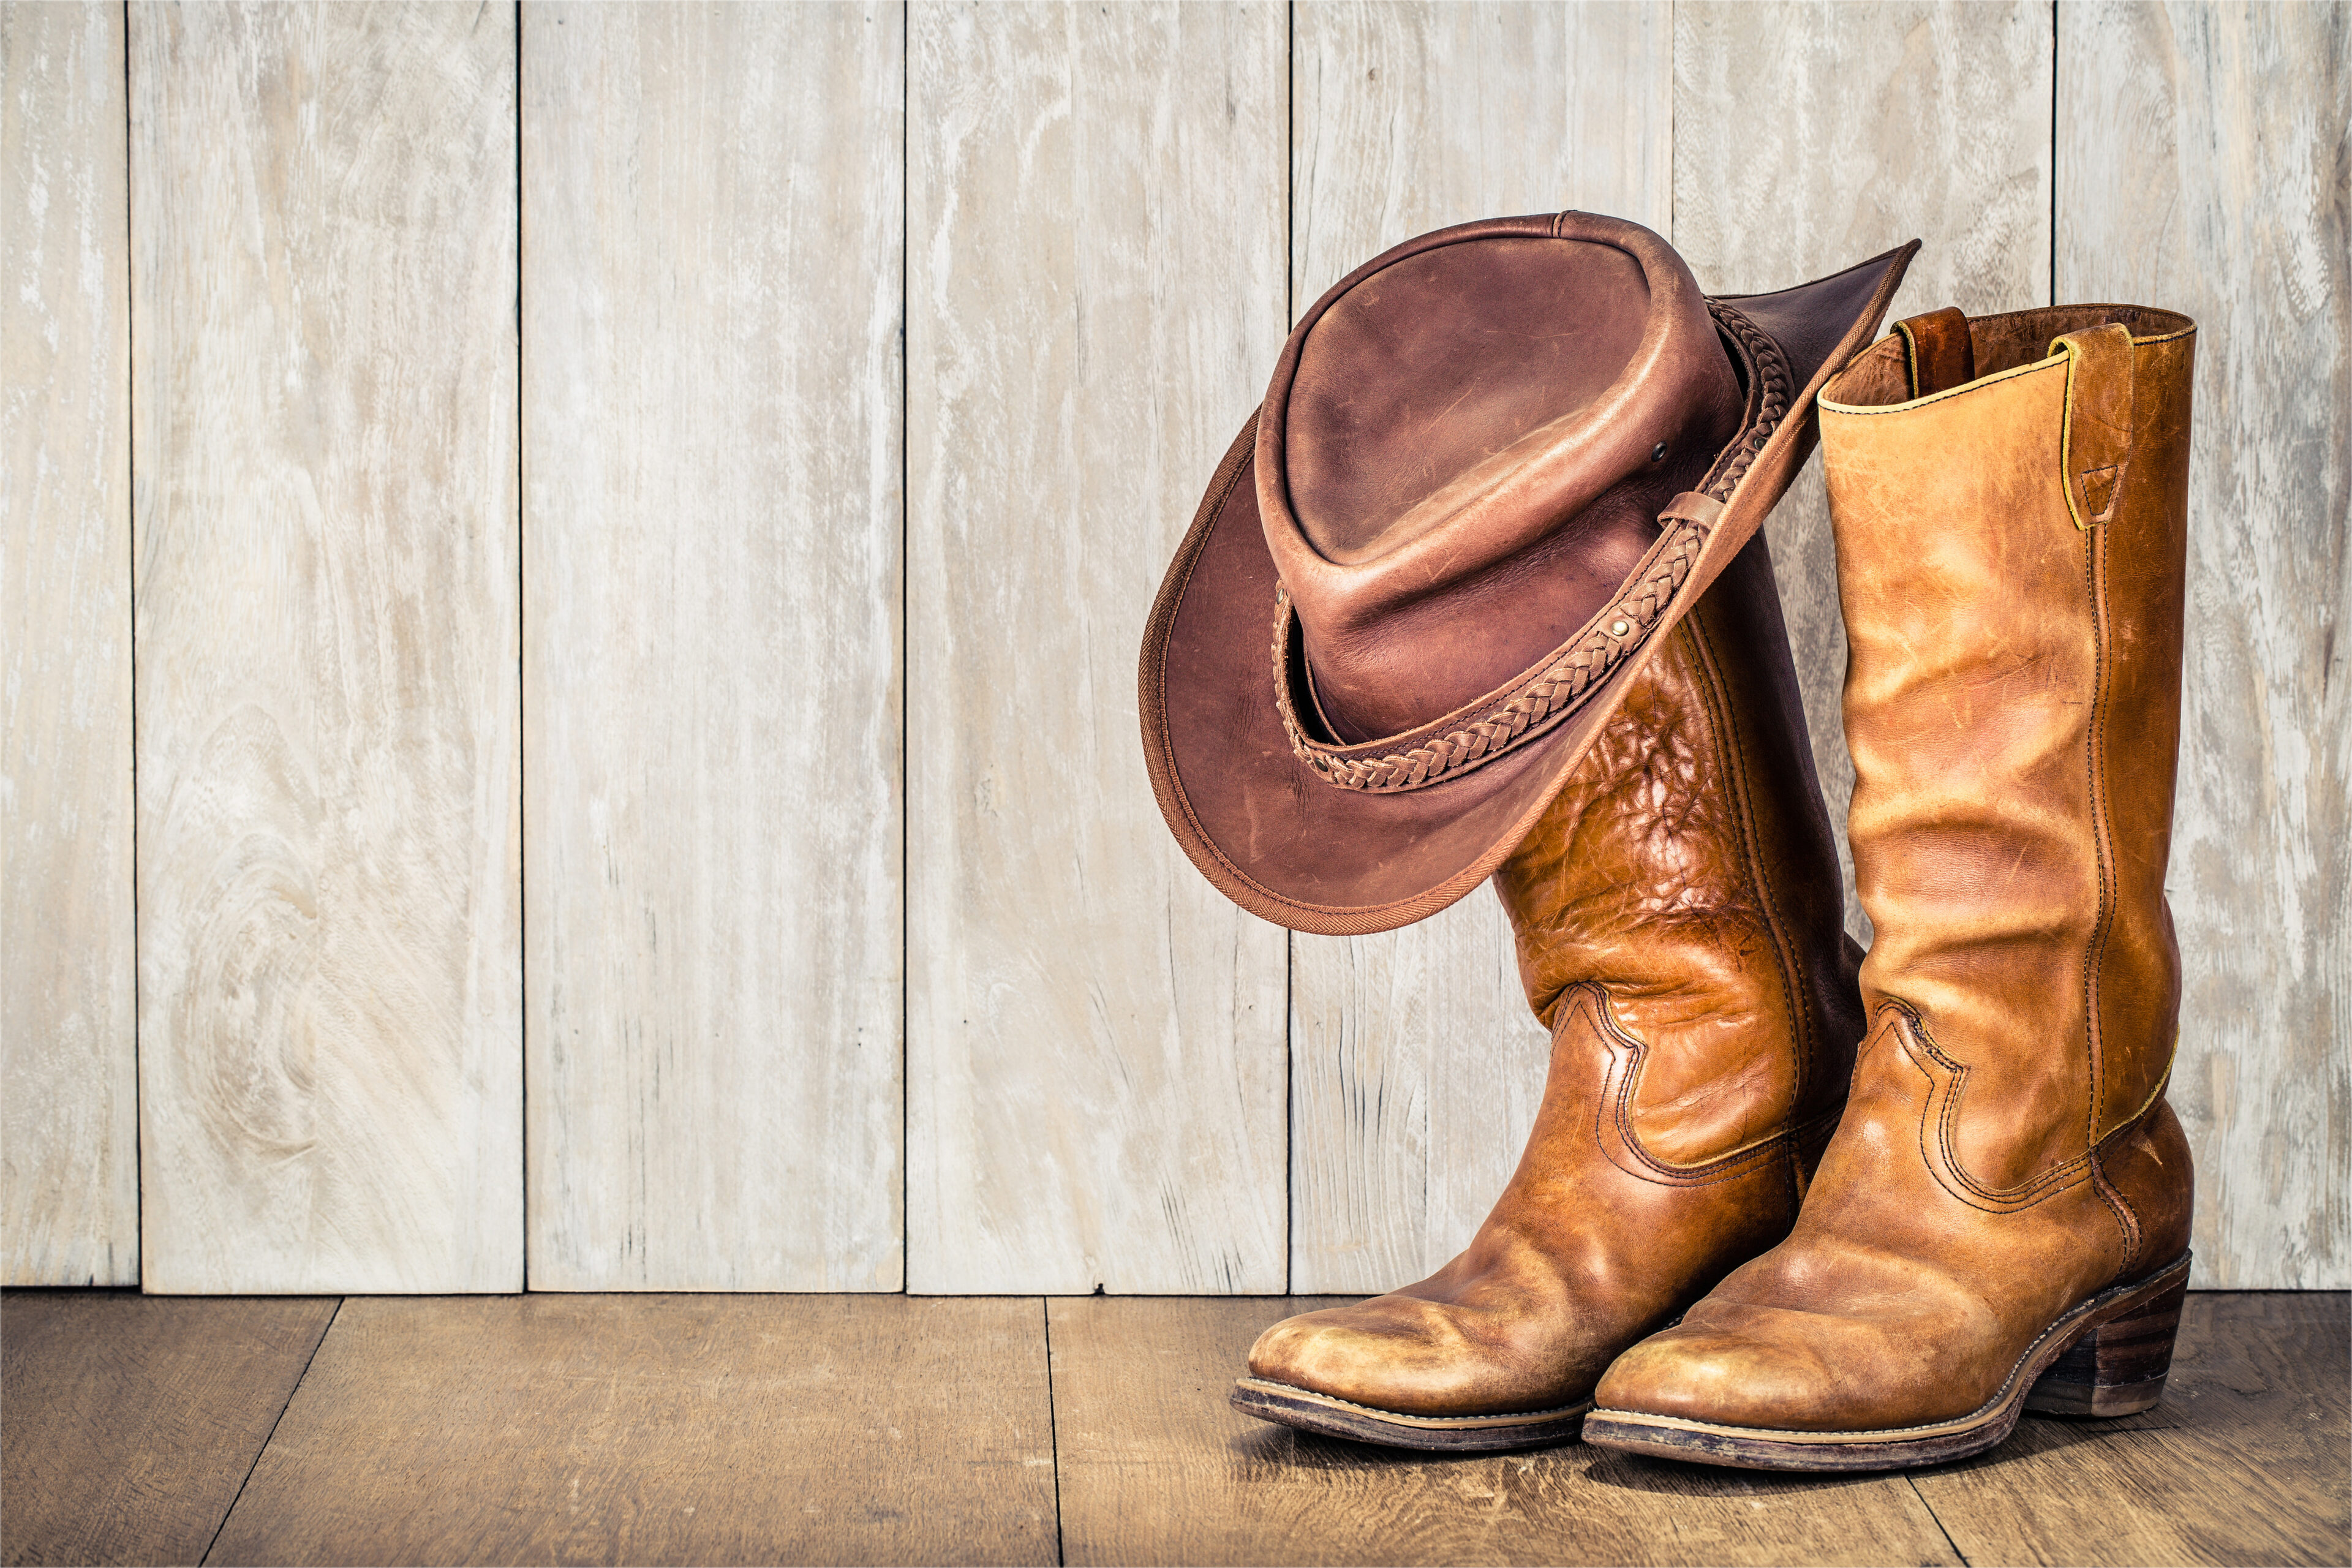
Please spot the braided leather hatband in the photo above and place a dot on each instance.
(1535, 702)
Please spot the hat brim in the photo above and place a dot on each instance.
(1285, 845)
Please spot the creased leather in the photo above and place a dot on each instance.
(1250, 798)
(1677, 918)
(1456, 465)
(2013, 705)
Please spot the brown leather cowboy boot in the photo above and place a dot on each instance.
(2001, 1221)
(1676, 910)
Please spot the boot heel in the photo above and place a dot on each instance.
(2118, 1367)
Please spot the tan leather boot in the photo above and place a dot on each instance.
(2001, 1221)
(1678, 926)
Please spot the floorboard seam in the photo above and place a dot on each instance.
(207, 1556)
(1959, 1555)
(1052, 1427)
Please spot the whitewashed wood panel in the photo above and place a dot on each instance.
(1411, 116)
(1095, 1036)
(70, 1131)
(1810, 135)
(324, 516)
(711, 298)
(1416, 1066)
(2205, 165)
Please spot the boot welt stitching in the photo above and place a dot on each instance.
(1404, 1417)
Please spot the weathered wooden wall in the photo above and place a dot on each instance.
(324, 581)
(1095, 1037)
(69, 1124)
(710, 296)
(721, 858)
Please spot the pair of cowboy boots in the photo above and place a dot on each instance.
(1771, 1216)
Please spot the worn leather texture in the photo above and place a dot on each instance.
(1471, 461)
(1678, 917)
(1937, 350)
(2010, 557)
(1456, 465)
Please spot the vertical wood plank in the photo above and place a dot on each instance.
(1809, 135)
(1095, 1051)
(2205, 165)
(324, 516)
(712, 300)
(69, 1132)
(1416, 1066)
(1412, 116)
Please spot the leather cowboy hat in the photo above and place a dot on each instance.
(1494, 468)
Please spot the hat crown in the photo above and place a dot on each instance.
(1464, 448)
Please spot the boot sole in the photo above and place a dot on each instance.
(1289, 1405)
(2107, 1357)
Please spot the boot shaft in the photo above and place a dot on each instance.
(2008, 497)
(2006, 1180)
(1687, 871)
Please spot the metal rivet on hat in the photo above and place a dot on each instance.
(1618, 628)
(1658, 453)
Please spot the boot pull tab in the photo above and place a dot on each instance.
(2095, 447)
(1938, 352)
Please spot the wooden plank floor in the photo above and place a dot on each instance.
(129, 1422)
(719, 1428)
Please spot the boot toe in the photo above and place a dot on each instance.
(1728, 1379)
(1361, 1354)
(1390, 1354)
